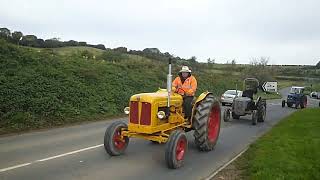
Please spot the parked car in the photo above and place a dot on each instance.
(228, 96)
(315, 95)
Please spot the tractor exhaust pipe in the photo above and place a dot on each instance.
(169, 86)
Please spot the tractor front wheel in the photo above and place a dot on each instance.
(114, 143)
(206, 123)
(261, 112)
(226, 115)
(176, 148)
(254, 117)
(283, 103)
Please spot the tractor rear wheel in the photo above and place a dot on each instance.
(303, 103)
(234, 116)
(206, 123)
(114, 143)
(261, 111)
(176, 148)
(254, 117)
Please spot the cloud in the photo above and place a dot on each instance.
(287, 31)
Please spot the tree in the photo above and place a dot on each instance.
(151, 51)
(82, 43)
(29, 40)
(40, 43)
(193, 59)
(5, 33)
(100, 46)
(233, 62)
(16, 36)
(121, 49)
(53, 43)
(318, 65)
(258, 69)
(71, 43)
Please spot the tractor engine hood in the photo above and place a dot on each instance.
(159, 96)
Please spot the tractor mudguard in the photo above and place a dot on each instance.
(199, 99)
(202, 96)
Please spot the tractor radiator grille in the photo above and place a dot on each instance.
(134, 112)
(145, 117)
(145, 114)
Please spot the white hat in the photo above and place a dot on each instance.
(185, 69)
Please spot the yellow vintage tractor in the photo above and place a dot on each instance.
(159, 117)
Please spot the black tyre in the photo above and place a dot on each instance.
(303, 102)
(234, 116)
(176, 148)
(207, 123)
(226, 115)
(296, 105)
(261, 111)
(283, 103)
(114, 143)
(289, 104)
(254, 117)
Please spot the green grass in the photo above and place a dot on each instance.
(72, 50)
(290, 150)
(269, 95)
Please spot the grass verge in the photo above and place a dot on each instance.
(288, 151)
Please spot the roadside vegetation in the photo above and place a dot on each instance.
(290, 150)
(43, 88)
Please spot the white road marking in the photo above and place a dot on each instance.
(225, 165)
(49, 158)
(14, 167)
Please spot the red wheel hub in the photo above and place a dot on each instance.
(214, 124)
(119, 142)
(181, 149)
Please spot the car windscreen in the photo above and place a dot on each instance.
(295, 90)
(231, 92)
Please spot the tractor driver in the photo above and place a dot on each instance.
(186, 85)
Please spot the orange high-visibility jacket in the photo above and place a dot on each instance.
(188, 88)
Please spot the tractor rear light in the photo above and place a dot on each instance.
(134, 112)
(145, 114)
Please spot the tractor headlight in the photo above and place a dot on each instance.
(161, 114)
(126, 110)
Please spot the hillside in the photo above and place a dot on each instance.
(44, 88)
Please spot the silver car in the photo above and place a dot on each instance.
(229, 95)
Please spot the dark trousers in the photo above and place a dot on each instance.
(187, 106)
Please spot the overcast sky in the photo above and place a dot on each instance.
(287, 31)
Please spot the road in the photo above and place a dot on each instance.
(77, 152)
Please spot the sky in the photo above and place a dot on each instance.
(285, 31)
